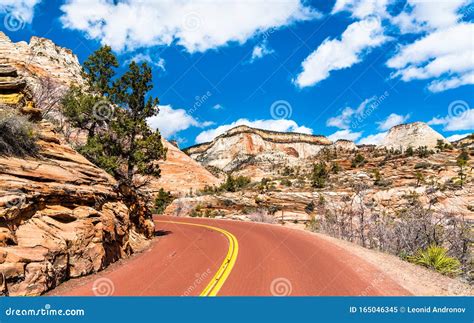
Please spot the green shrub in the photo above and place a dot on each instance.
(335, 168)
(422, 165)
(358, 161)
(17, 135)
(423, 152)
(234, 184)
(435, 257)
(162, 200)
(319, 175)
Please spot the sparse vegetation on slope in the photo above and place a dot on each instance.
(114, 114)
(17, 135)
(435, 257)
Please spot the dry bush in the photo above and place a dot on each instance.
(261, 216)
(415, 228)
(17, 135)
(47, 95)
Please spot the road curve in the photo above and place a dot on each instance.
(271, 260)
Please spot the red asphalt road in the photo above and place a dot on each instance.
(272, 260)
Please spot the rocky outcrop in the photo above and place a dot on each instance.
(416, 134)
(180, 174)
(60, 216)
(430, 180)
(343, 144)
(14, 94)
(465, 143)
(41, 58)
(47, 70)
(255, 152)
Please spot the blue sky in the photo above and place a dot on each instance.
(345, 69)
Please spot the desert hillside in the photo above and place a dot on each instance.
(61, 216)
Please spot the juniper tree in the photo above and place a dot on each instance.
(123, 144)
(319, 175)
(99, 70)
(86, 111)
(461, 161)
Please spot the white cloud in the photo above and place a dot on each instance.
(345, 119)
(361, 8)
(359, 38)
(452, 82)
(218, 107)
(260, 50)
(423, 15)
(372, 139)
(282, 125)
(446, 66)
(443, 53)
(141, 57)
(345, 134)
(426, 58)
(462, 121)
(392, 120)
(195, 25)
(457, 137)
(21, 9)
(171, 121)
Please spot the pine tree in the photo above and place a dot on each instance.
(99, 70)
(461, 161)
(319, 175)
(121, 143)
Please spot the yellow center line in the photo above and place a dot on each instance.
(224, 270)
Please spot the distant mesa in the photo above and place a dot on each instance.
(256, 150)
(343, 144)
(416, 134)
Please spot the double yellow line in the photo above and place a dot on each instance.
(224, 270)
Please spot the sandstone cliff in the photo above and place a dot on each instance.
(255, 152)
(41, 58)
(416, 134)
(180, 174)
(60, 216)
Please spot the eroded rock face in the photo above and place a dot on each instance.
(416, 134)
(389, 186)
(254, 152)
(60, 216)
(342, 144)
(180, 174)
(41, 58)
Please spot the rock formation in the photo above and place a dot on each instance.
(60, 216)
(15, 94)
(255, 152)
(432, 180)
(180, 174)
(416, 134)
(343, 144)
(41, 58)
